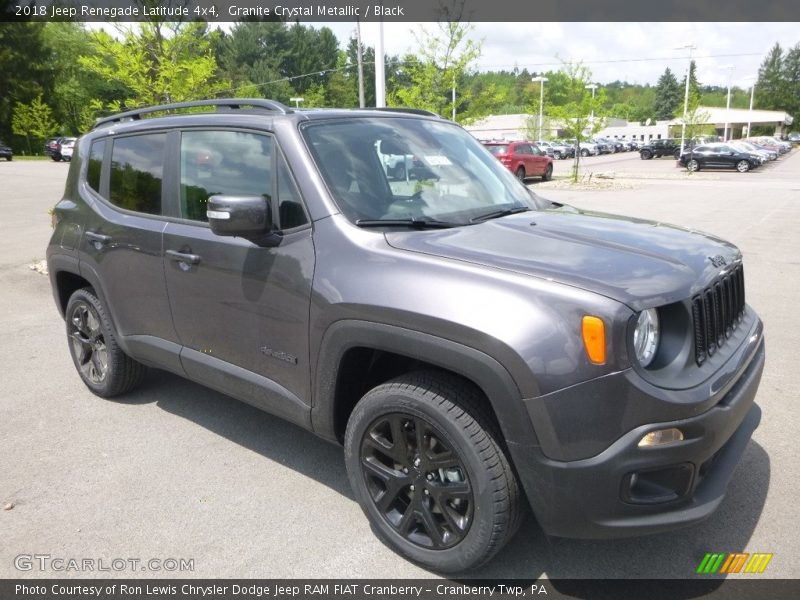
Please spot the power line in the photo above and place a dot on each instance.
(398, 62)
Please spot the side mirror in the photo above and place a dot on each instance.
(249, 217)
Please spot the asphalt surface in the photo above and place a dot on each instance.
(178, 471)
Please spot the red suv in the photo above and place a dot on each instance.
(524, 159)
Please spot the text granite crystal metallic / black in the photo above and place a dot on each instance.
(379, 278)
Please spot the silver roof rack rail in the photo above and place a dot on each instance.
(225, 103)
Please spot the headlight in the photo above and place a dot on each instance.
(645, 336)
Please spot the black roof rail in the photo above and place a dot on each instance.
(411, 111)
(229, 103)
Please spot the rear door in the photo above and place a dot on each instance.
(241, 310)
(121, 245)
(538, 160)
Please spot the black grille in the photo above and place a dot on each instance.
(716, 311)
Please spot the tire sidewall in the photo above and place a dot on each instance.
(469, 551)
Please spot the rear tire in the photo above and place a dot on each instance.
(425, 463)
(646, 155)
(584, 153)
(102, 365)
(521, 174)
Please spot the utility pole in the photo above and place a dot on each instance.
(361, 101)
(380, 74)
(541, 81)
(750, 114)
(688, 47)
(728, 103)
(454, 97)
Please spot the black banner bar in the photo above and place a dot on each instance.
(397, 589)
(402, 10)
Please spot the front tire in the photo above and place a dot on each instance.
(102, 365)
(645, 155)
(584, 153)
(426, 466)
(743, 166)
(693, 166)
(548, 173)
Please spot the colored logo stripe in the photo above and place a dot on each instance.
(733, 562)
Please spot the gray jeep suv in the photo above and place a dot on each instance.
(470, 344)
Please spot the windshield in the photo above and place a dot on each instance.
(400, 168)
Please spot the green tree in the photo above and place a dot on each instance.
(580, 116)
(444, 57)
(696, 118)
(694, 85)
(251, 57)
(33, 121)
(771, 85)
(791, 77)
(668, 96)
(24, 71)
(156, 63)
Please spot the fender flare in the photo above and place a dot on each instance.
(484, 371)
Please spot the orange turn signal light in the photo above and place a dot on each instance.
(594, 339)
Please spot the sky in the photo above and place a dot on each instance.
(633, 52)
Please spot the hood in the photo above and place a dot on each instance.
(637, 262)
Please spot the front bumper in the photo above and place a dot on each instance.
(597, 498)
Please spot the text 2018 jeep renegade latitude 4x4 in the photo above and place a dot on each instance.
(470, 344)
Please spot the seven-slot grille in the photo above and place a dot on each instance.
(716, 312)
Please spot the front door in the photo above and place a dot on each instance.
(241, 310)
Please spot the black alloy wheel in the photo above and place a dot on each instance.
(87, 341)
(416, 480)
(424, 459)
(103, 366)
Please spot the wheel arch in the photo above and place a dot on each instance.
(350, 360)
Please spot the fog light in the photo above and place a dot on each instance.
(660, 437)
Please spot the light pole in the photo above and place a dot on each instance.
(297, 101)
(541, 81)
(750, 113)
(593, 87)
(728, 103)
(688, 47)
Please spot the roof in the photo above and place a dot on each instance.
(722, 115)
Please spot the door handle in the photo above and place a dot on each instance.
(183, 257)
(98, 240)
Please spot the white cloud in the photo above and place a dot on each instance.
(633, 52)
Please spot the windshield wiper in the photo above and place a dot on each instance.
(496, 214)
(415, 222)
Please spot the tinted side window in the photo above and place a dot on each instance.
(95, 164)
(223, 162)
(137, 165)
(290, 206)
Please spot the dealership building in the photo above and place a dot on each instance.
(515, 127)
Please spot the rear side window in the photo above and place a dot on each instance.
(497, 149)
(95, 165)
(223, 162)
(137, 167)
